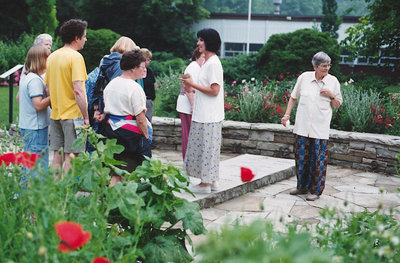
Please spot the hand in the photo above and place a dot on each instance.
(86, 122)
(284, 119)
(98, 117)
(187, 81)
(326, 93)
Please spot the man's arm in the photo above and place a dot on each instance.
(80, 98)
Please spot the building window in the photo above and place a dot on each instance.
(233, 49)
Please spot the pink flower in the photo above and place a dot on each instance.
(281, 76)
(234, 82)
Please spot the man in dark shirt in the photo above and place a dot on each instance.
(148, 82)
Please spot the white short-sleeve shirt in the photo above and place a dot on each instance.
(183, 105)
(124, 97)
(209, 108)
(314, 111)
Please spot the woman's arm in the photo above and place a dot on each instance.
(213, 90)
(142, 124)
(40, 104)
(289, 108)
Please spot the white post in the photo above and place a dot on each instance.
(248, 29)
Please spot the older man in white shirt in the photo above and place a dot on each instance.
(318, 92)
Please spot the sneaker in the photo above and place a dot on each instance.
(200, 189)
(214, 186)
(296, 191)
(311, 197)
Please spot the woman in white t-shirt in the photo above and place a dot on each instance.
(184, 104)
(125, 108)
(204, 145)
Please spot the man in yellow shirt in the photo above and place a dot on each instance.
(65, 78)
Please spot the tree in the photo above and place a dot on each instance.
(292, 52)
(42, 16)
(158, 25)
(379, 30)
(13, 19)
(330, 22)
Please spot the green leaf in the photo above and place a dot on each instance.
(156, 190)
(166, 249)
(190, 215)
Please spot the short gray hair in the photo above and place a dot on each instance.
(40, 38)
(319, 58)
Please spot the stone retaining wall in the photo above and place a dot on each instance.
(365, 151)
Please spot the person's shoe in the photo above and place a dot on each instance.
(296, 191)
(311, 197)
(214, 186)
(200, 189)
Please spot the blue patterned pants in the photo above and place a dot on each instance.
(311, 161)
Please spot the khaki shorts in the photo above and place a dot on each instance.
(63, 134)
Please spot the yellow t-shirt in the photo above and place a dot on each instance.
(64, 66)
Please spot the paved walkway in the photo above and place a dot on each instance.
(346, 189)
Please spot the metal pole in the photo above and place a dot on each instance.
(10, 101)
(248, 29)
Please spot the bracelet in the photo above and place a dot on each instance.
(286, 115)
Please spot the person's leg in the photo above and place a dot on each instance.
(70, 135)
(301, 159)
(150, 109)
(186, 119)
(320, 163)
(56, 143)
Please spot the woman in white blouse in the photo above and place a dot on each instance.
(318, 92)
(204, 145)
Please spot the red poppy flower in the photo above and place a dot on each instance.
(7, 158)
(27, 159)
(101, 260)
(71, 235)
(246, 174)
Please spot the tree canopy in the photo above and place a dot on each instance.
(379, 30)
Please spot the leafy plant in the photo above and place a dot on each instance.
(167, 90)
(135, 220)
(293, 52)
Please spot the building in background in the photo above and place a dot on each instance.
(233, 29)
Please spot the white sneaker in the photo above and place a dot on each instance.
(214, 186)
(200, 189)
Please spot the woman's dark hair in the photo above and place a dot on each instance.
(196, 54)
(211, 39)
(132, 59)
(71, 29)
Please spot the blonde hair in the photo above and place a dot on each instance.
(36, 59)
(146, 53)
(123, 44)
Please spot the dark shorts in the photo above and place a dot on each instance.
(136, 145)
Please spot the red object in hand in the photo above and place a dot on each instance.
(246, 174)
(101, 260)
(71, 235)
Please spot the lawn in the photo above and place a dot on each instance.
(4, 106)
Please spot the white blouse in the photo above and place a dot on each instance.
(314, 111)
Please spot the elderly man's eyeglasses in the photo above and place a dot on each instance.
(325, 65)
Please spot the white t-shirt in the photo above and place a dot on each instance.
(209, 108)
(314, 111)
(183, 104)
(124, 97)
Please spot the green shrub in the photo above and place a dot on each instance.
(164, 63)
(292, 52)
(14, 53)
(98, 44)
(167, 89)
(240, 67)
(370, 81)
